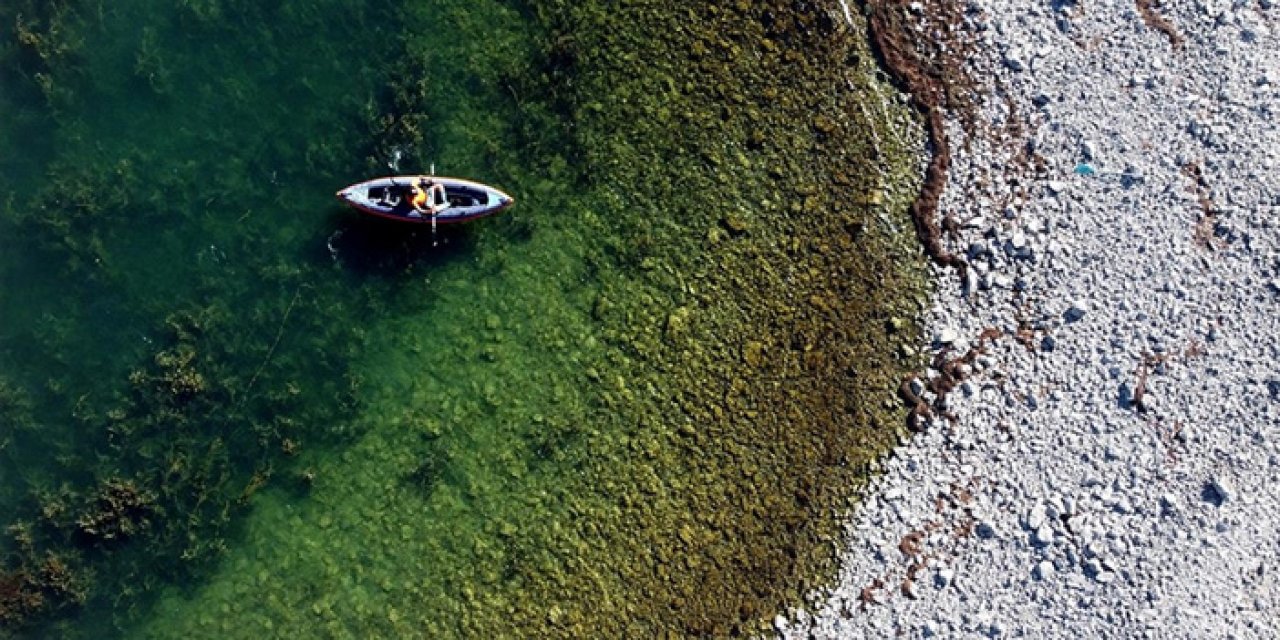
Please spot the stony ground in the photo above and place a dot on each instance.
(1108, 461)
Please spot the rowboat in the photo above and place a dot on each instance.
(391, 197)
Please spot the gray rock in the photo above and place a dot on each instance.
(917, 386)
(1075, 311)
(985, 530)
(1043, 571)
(1092, 567)
(1036, 517)
(1013, 60)
(1150, 400)
(1124, 397)
(1219, 491)
(1043, 536)
(1123, 506)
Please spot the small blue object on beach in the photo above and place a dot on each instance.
(1085, 169)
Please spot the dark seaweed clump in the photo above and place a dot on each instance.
(142, 405)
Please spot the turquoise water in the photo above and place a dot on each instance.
(230, 407)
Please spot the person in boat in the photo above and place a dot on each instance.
(428, 197)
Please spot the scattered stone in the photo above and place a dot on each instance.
(1043, 571)
(985, 530)
(780, 623)
(1075, 312)
(1043, 536)
(1092, 567)
(1013, 60)
(1036, 517)
(971, 283)
(1219, 491)
(1125, 397)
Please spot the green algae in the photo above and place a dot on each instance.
(632, 405)
(756, 280)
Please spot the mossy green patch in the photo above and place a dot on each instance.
(752, 175)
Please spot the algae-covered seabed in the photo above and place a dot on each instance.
(630, 405)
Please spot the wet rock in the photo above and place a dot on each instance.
(736, 224)
(677, 323)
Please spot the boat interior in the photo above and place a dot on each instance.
(396, 197)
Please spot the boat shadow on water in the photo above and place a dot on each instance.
(370, 247)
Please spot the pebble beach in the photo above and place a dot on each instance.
(1100, 450)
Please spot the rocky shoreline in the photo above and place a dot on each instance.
(1103, 459)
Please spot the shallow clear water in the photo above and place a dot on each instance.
(230, 407)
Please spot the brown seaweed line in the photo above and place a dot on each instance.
(1153, 19)
(893, 44)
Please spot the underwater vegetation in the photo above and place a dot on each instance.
(762, 285)
(633, 405)
(151, 382)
